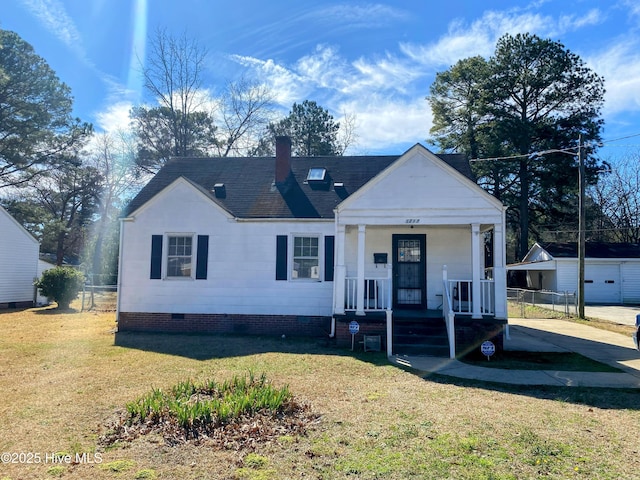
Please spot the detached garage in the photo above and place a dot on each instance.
(612, 270)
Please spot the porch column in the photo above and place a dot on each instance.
(499, 272)
(360, 270)
(340, 274)
(476, 275)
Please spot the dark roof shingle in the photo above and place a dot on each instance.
(593, 250)
(250, 190)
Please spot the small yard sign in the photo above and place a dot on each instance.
(488, 348)
(354, 327)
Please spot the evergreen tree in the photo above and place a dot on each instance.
(312, 130)
(532, 95)
(36, 125)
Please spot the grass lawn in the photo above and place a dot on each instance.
(64, 376)
(563, 361)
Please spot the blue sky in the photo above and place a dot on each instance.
(375, 60)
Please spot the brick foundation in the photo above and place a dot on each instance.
(471, 333)
(290, 325)
(375, 326)
(12, 305)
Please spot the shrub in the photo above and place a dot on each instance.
(61, 285)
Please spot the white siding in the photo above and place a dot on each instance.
(18, 261)
(424, 191)
(630, 272)
(241, 262)
(566, 275)
(445, 246)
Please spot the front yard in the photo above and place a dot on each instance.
(64, 377)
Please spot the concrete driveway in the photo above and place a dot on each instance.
(625, 315)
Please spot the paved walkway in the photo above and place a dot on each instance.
(537, 335)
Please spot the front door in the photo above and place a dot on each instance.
(409, 271)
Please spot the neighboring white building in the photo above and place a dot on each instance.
(305, 245)
(18, 263)
(612, 270)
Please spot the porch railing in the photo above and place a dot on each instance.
(377, 293)
(462, 301)
(449, 315)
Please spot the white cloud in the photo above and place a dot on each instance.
(364, 15)
(569, 23)
(633, 6)
(479, 38)
(620, 66)
(286, 85)
(54, 17)
(384, 122)
(114, 118)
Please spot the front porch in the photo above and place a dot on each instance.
(413, 302)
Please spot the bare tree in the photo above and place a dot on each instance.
(189, 120)
(617, 196)
(245, 110)
(173, 76)
(347, 135)
(113, 156)
(180, 125)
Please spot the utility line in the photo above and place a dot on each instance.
(569, 150)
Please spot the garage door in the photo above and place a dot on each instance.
(602, 283)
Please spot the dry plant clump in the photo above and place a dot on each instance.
(233, 415)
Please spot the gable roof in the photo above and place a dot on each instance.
(249, 183)
(593, 250)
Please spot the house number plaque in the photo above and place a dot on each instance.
(412, 220)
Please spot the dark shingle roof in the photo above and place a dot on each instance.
(250, 191)
(593, 250)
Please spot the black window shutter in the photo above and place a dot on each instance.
(329, 247)
(202, 259)
(156, 257)
(281, 257)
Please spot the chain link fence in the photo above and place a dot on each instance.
(100, 293)
(563, 302)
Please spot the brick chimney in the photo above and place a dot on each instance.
(283, 159)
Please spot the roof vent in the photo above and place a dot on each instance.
(219, 190)
(340, 190)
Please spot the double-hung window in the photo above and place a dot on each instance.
(306, 260)
(179, 255)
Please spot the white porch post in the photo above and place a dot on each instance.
(499, 272)
(476, 303)
(340, 271)
(360, 284)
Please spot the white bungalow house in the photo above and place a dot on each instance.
(18, 263)
(307, 245)
(612, 270)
